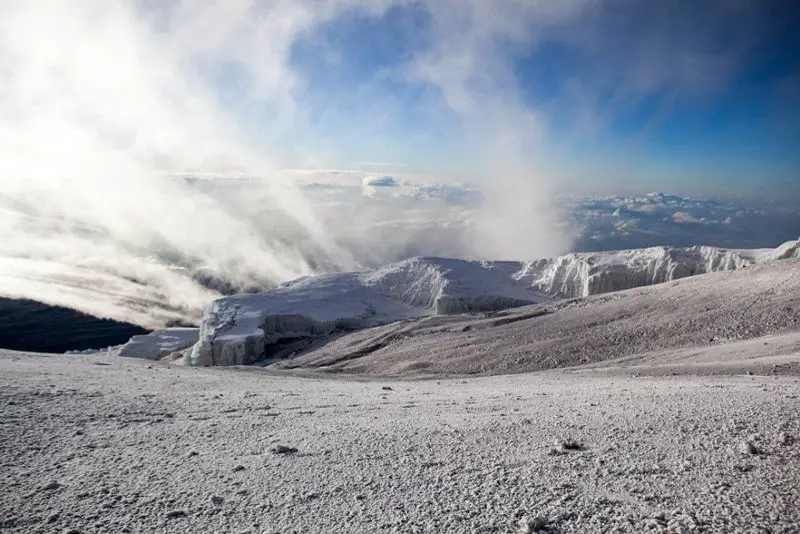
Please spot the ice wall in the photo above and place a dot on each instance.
(583, 274)
(160, 343)
(446, 286)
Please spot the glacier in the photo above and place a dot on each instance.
(246, 328)
(584, 274)
(158, 344)
(242, 329)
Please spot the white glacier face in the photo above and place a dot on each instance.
(239, 330)
(583, 274)
(446, 286)
(160, 343)
(243, 329)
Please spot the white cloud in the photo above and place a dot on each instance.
(99, 99)
(683, 217)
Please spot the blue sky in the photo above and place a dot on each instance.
(681, 93)
(620, 95)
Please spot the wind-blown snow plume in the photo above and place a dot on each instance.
(473, 67)
(100, 99)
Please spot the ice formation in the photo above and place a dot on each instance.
(243, 329)
(160, 343)
(583, 274)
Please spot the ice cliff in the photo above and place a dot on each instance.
(583, 274)
(243, 329)
(160, 343)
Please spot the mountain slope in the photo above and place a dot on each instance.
(33, 326)
(701, 311)
(243, 329)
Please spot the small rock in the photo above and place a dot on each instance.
(387, 388)
(527, 525)
(283, 449)
(174, 514)
(563, 446)
(747, 447)
(72, 531)
(51, 486)
(53, 518)
(216, 500)
(192, 453)
(785, 439)
(238, 468)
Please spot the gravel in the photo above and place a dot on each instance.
(656, 454)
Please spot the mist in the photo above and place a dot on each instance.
(111, 110)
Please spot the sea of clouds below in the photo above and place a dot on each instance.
(595, 223)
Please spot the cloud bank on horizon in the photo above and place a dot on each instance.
(100, 100)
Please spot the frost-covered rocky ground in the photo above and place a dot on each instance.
(105, 444)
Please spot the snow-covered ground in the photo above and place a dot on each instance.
(104, 444)
(243, 329)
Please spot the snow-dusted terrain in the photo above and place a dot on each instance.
(668, 408)
(700, 312)
(243, 329)
(103, 444)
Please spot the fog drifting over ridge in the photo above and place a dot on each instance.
(104, 102)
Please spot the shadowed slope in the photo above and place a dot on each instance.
(33, 326)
